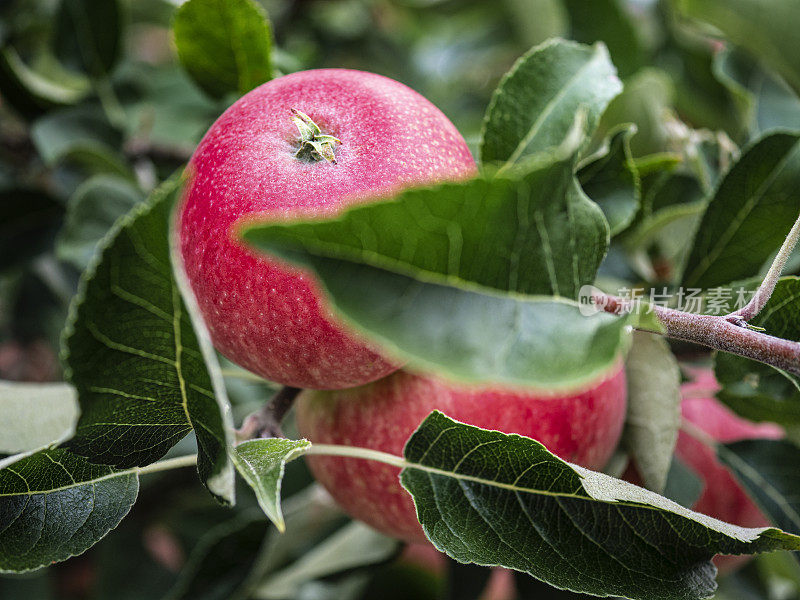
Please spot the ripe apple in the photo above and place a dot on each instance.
(303, 145)
(581, 426)
(722, 496)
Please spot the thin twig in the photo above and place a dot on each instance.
(762, 295)
(717, 332)
(266, 422)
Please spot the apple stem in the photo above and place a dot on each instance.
(171, 463)
(357, 452)
(314, 145)
(717, 332)
(266, 421)
(762, 295)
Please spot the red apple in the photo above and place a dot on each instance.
(582, 426)
(722, 496)
(306, 144)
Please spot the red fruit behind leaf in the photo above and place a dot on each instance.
(581, 426)
(261, 313)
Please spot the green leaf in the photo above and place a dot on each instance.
(54, 505)
(92, 211)
(537, 342)
(684, 486)
(261, 463)
(535, 104)
(88, 35)
(766, 28)
(611, 180)
(354, 546)
(768, 470)
(749, 216)
(608, 21)
(33, 415)
(654, 414)
(531, 233)
(224, 44)
(63, 132)
(222, 561)
(757, 391)
(139, 358)
(645, 101)
(767, 102)
(497, 499)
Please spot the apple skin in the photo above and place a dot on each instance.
(581, 426)
(263, 314)
(722, 496)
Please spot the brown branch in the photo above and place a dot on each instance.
(266, 422)
(717, 332)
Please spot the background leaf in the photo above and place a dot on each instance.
(54, 505)
(354, 545)
(610, 22)
(764, 27)
(135, 359)
(224, 44)
(654, 414)
(535, 104)
(33, 415)
(767, 469)
(498, 499)
(92, 211)
(749, 216)
(611, 180)
(88, 35)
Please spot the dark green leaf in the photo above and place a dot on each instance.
(608, 21)
(92, 211)
(768, 470)
(32, 93)
(28, 222)
(766, 28)
(535, 104)
(224, 44)
(33, 415)
(261, 463)
(54, 505)
(497, 499)
(654, 415)
(751, 213)
(534, 233)
(222, 560)
(88, 35)
(354, 546)
(611, 180)
(138, 357)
